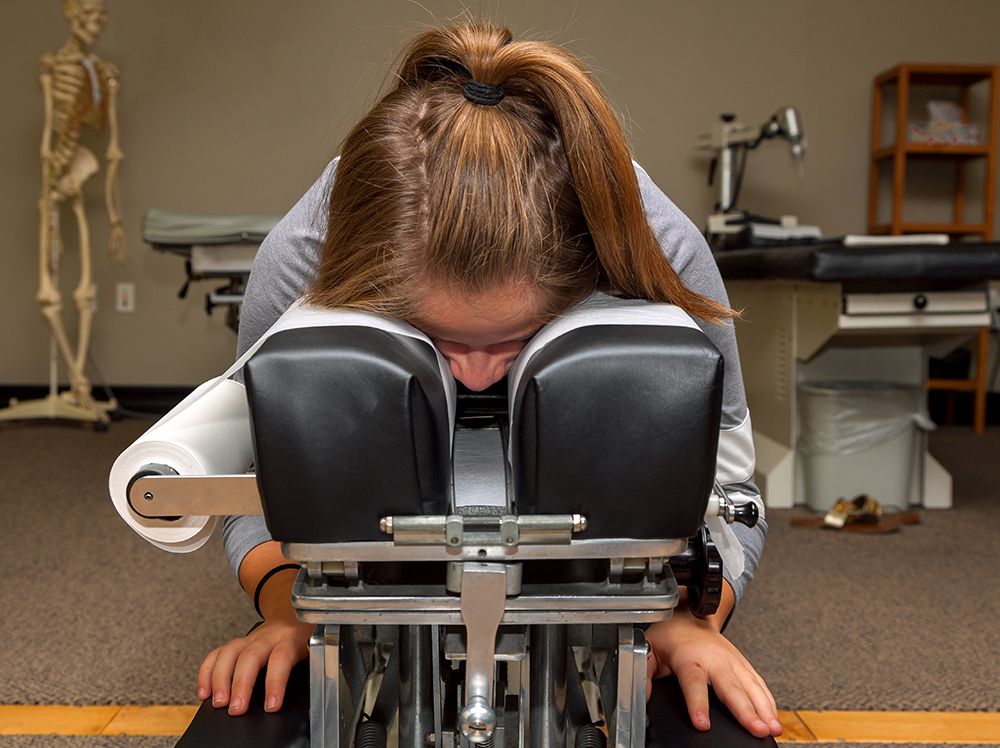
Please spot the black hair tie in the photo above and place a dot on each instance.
(488, 94)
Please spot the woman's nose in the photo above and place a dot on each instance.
(478, 370)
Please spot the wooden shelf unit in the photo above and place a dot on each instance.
(963, 77)
(904, 77)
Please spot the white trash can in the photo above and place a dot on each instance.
(859, 437)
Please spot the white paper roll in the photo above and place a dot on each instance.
(205, 435)
(208, 432)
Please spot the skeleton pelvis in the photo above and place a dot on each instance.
(83, 166)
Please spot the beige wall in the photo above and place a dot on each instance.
(235, 105)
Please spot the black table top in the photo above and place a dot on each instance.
(962, 262)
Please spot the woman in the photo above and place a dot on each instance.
(485, 194)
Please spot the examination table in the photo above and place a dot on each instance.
(480, 570)
(826, 311)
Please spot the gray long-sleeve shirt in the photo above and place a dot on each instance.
(286, 263)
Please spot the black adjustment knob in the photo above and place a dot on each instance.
(728, 117)
(746, 514)
(920, 301)
(700, 569)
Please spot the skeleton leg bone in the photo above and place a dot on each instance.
(84, 296)
(77, 403)
(49, 298)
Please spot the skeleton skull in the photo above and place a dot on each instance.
(86, 18)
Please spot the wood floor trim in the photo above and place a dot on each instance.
(802, 726)
(95, 720)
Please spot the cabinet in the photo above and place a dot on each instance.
(959, 79)
(903, 79)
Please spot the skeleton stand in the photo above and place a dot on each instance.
(78, 89)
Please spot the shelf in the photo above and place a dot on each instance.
(905, 77)
(937, 75)
(933, 151)
(930, 228)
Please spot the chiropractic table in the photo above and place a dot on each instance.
(480, 570)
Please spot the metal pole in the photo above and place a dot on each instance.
(416, 709)
(547, 653)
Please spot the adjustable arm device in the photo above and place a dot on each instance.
(728, 136)
(482, 582)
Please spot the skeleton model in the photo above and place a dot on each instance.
(79, 89)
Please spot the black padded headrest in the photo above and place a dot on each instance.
(349, 424)
(619, 423)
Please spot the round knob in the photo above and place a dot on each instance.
(477, 720)
(920, 301)
(746, 514)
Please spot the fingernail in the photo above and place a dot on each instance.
(202, 694)
(271, 704)
(702, 719)
(236, 704)
(219, 700)
(776, 724)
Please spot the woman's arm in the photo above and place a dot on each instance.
(690, 648)
(282, 269)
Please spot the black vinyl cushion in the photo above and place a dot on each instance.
(971, 262)
(620, 423)
(349, 424)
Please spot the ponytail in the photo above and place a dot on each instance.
(532, 183)
(605, 181)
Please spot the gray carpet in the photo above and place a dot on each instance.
(92, 614)
(905, 621)
(96, 615)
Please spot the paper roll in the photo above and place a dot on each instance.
(206, 434)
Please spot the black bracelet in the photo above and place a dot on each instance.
(263, 581)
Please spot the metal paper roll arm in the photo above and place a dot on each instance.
(157, 491)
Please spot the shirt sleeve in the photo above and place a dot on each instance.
(689, 255)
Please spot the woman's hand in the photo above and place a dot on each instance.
(693, 650)
(228, 673)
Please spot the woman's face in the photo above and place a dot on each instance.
(479, 334)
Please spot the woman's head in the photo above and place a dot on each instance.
(445, 206)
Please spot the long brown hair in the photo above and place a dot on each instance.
(540, 188)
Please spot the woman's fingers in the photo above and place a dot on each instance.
(205, 675)
(279, 667)
(693, 680)
(248, 665)
(222, 671)
(763, 701)
(748, 702)
(229, 673)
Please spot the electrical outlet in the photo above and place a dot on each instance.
(125, 297)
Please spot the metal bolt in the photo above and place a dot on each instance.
(385, 525)
(148, 496)
(579, 523)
